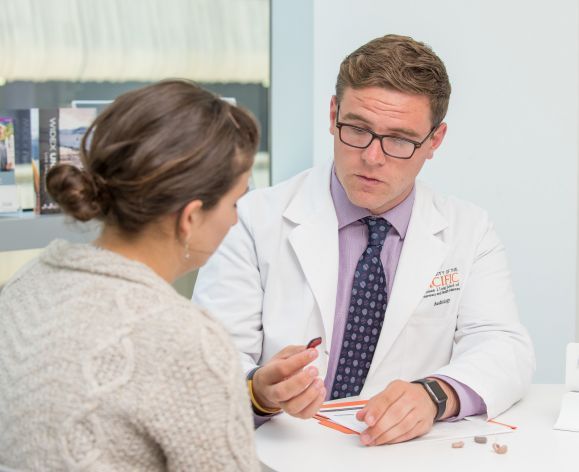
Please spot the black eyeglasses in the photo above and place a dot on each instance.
(393, 146)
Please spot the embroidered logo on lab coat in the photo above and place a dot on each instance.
(444, 282)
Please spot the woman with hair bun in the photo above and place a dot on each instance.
(103, 366)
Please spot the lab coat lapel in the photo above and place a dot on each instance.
(422, 254)
(315, 241)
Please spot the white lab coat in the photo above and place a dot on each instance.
(451, 310)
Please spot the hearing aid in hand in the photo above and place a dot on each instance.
(314, 343)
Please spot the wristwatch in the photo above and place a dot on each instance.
(436, 394)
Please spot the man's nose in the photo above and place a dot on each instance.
(373, 154)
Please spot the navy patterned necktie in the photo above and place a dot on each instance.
(365, 314)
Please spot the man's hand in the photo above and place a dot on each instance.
(285, 382)
(401, 412)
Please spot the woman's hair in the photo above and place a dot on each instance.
(154, 150)
(399, 63)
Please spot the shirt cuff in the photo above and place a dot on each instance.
(470, 402)
(259, 420)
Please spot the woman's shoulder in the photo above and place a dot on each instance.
(181, 326)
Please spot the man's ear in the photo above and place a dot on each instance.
(438, 136)
(333, 111)
(189, 219)
(436, 140)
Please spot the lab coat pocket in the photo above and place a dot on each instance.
(432, 328)
(435, 310)
(440, 300)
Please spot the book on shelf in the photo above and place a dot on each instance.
(8, 188)
(32, 141)
(25, 124)
(60, 134)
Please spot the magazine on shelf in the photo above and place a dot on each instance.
(60, 134)
(8, 188)
(25, 124)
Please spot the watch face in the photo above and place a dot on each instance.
(437, 391)
(436, 394)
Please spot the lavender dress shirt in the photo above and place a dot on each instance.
(353, 238)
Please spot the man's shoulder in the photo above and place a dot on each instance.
(277, 197)
(454, 213)
(447, 205)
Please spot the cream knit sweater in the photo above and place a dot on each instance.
(104, 367)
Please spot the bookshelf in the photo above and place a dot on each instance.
(31, 231)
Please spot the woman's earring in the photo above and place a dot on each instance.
(187, 255)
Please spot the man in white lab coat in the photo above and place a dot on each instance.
(409, 290)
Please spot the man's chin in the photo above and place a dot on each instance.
(370, 204)
(375, 201)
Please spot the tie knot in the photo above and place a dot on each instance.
(377, 230)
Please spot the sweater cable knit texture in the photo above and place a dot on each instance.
(104, 367)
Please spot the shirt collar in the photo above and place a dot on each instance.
(348, 213)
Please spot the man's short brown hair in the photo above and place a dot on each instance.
(399, 63)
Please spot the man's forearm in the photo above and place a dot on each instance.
(466, 402)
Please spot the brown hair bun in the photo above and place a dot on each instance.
(75, 191)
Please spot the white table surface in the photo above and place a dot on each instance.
(289, 444)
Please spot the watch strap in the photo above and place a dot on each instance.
(436, 394)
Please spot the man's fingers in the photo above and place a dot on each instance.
(280, 369)
(406, 412)
(289, 351)
(315, 405)
(383, 432)
(379, 404)
(293, 386)
(420, 429)
(307, 403)
(410, 432)
(396, 414)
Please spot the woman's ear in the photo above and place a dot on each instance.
(189, 219)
